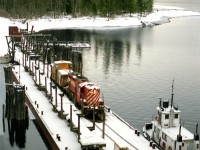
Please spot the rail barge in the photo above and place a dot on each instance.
(60, 121)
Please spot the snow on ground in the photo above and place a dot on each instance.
(160, 15)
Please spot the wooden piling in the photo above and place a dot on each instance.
(61, 113)
(71, 117)
(94, 117)
(39, 78)
(103, 131)
(46, 86)
(3, 118)
(15, 97)
(79, 128)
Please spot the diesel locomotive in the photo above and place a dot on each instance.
(84, 94)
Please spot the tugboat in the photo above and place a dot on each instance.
(167, 132)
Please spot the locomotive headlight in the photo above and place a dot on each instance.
(94, 91)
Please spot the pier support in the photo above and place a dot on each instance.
(79, 132)
(71, 117)
(60, 114)
(103, 130)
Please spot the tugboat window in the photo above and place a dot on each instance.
(167, 116)
(176, 116)
(164, 136)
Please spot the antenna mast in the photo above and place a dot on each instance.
(172, 98)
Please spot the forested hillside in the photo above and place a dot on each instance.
(107, 8)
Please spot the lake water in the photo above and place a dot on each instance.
(17, 138)
(135, 66)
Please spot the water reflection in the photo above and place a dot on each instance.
(17, 132)
(114, 45)
(16, 112)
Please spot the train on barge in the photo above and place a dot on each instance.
(64, 126)
(78, 88)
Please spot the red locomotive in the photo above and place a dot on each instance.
(78, 88)
(85, 94)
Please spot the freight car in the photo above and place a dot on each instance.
(85, 94)
(14, 31)
(78, 88)
(60, 71)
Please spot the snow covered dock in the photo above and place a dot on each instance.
(118, 134)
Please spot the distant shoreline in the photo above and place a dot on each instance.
(160, 15)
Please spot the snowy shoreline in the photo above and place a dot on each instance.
(160, 15)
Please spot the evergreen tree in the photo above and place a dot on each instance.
(68, 7)
(106, 8)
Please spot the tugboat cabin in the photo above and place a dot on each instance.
(165, 129)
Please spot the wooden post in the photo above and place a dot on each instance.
(56, 95)
(32, 68)
(23, 54)
(27, 26)
(13, 51)
(93, 117)
(103, 131)
(32, 29)
(51, 91)
(79, 128)
(82, 104)
(71, 117)
(39, 78)
(35, 75)
(3, 117)
(29, 63)
(19, 71)
(44, 68)
(46, 85)
(38, 64)
(26, 57)
(61, 96)
(47, 70)
(62, 105)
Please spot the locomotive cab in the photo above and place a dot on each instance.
(88, 97)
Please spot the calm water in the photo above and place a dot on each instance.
(135, 66)
(188, 4)
(21, 137)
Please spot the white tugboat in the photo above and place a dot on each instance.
(166, 131)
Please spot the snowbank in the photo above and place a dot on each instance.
(160, 15)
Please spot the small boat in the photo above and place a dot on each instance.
(167, 132)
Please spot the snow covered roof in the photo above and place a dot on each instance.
(62, 61)
(173, 132)
(65, 72)
(91, 86)
(78, 44)
(168, 110)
